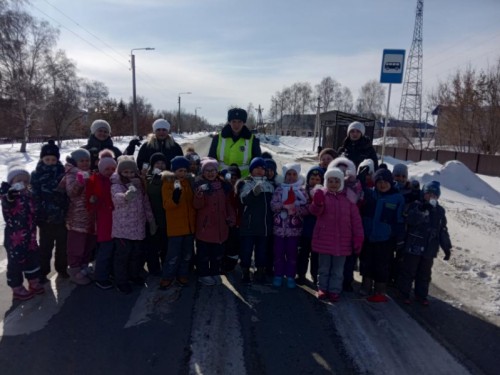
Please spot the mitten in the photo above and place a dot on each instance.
(12, 193)
(319, 197)
(153, 227)
(447, 255)
(130, 193)
(82, 177)
(257, 189)
(176, 196)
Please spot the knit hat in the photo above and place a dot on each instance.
(356, 125)
(161, 124)
(237, 114)
(157, 156)
(400, 170)
(99, 124)
(105, 162)
(16, 170)
(50, 149)
(336, 173)
(318, 171)
(234, 170)
(383, 175)
(289, 166)
(193, 157)
(179, 162)
(433, 187)
(79, 154)
(126, 162)
(329, 151)
(208, 162)
(367, 163)
(271, 164)
(257, 162)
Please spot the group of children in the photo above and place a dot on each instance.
(122, 219)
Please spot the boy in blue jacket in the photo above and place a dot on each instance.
(426, 232)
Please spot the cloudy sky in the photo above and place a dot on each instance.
(231, 52)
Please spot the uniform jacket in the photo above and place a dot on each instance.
(129, 217)
(257, 218)
(214, 212)
(20, 226)
(100, 203)
(426, 230)
(181, 217)
(338, 230)
(51, 202)
(286, 224)
(78, 218)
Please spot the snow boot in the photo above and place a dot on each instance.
(20, 293)
(76, 276)
(290, 283)
(277, 281)
(379, 295)
(35, 286)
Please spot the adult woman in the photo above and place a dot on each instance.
(356, 146)
(100, 139)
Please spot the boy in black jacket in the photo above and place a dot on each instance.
(426, 232)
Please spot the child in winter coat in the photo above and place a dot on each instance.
(157, 243)
(100, 203)
(314, 178)
(255, 193)
(337, 234)
(232, 246)
(20, 234)
(289, 205)
(272, 177)
(426, 232)
(131, 211)
(51, 204)
(177, 193)
(214, 215)
(325, 157)
(194, 160)
(382, 214)
(79, 221)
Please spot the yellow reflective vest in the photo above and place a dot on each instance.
(231, 152)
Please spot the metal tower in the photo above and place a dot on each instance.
(260, 121)
(410, 108)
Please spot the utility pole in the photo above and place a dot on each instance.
(134, 97)
(317, 124)
(260, 121)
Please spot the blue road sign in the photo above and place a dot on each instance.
(393, 61)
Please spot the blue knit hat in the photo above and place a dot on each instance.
(433, 187)
(179, 162)
(257, 162)
(383, 175)
(400, 170)
(315, 171)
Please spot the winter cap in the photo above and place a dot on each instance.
(157, 156)
(105, 162)
(193, 157)
(234, 170)
(328, 151)
(356, 125)
(271, 164)
(100, 124)
(289, 166)
(383, 175)
(79, 154)
(126, 162)
(433, 187)
(257, 162)
(367, 163)
(208, 162)
(237, 114)
(315, 171)
(161, 124)
(400, 170)
(179, 162)
(16, 170)
(340, 161)
(336, 173)
(50, 149)
(106, 153)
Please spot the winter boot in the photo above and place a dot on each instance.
(379, 295)
(260, 275)
(76, 276)
(20, 293)
(366, 286)
(35, 286)
(245, 277)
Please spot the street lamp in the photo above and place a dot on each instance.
(134, 98)
(179, 114)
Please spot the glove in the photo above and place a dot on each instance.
(319, 197)
(257, 189)
(363, 172)
(82, 177)
(131, 146)
(130, 193)
(153, 227)
(12, 193)
(176, 196)
(447, 255)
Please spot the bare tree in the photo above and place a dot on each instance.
(371, 99)
(346, 100)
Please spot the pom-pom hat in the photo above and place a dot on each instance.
(207, 163)
(50, 149)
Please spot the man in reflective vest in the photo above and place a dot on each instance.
(235, 144)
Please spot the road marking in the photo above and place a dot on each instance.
(33, 315)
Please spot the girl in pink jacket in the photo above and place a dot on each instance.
(131, 211)
(337, 233)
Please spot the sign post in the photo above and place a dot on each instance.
(393, 61)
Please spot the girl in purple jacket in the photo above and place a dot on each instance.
(289, 204)
(337, 233)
